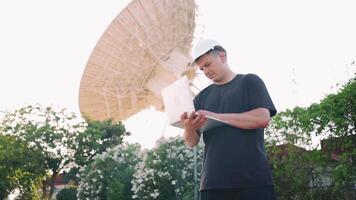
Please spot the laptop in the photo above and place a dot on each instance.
(177, 99)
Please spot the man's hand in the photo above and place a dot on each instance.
(208, 113)
(192, 123)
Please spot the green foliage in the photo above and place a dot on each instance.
(315, 174)
(97, 136)
(109, 176)
(167, 172)
(20, 167)
(60, 138)
(67, 194)
(292, 168)
(46, 131)
(116, 189)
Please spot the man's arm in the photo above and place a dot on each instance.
(191, 125)
(256, 118)
(191, 138)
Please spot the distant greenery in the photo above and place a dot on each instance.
(314, 174)
(47, 132)
(20, 167)
(47, 141)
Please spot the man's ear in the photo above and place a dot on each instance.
(222, 56)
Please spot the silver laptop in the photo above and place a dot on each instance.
(177, 99)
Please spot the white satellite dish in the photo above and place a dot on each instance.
(144, 49)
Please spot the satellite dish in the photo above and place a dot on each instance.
(145, 48)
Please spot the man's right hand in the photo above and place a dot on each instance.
(192, 123)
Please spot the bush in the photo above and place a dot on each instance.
(67, 194)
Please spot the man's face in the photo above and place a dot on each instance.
(212, 66)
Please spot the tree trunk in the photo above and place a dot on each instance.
(53, 178)
(2, 194)
(44, 190)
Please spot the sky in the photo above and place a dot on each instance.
(301, 49)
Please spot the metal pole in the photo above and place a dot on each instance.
(195, 174)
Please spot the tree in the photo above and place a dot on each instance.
(334, 120)
(48, 131)
(20, 167)
(334, 116)
(63, 140)
(167, 172)
(96, 138)
(110, 174)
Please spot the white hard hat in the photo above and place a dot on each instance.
(202, 47)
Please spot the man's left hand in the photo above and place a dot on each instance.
(208, 113)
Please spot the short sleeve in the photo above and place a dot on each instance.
(258, 96)
(197, 103)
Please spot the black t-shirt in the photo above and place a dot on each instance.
(235, 157)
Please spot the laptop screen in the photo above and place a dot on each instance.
(177, 99)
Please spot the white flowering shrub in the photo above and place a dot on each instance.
(167, 172)
(110, 175)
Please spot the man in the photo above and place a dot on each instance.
(235, 164)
